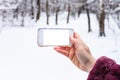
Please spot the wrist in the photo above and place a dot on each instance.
(90, 64)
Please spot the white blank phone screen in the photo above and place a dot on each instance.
(56, 37)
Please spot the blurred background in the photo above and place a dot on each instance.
(97, 22)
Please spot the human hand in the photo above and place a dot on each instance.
(79, 53)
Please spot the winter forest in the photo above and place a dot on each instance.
(17, 11)
(96, 21)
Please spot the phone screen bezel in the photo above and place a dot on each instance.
(40, 36)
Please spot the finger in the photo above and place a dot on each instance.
(63, 47)
(77, 41)
(76, 35)
(71, 53)
(64, 52)
(74, 41)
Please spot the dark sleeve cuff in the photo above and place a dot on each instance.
(101, 68)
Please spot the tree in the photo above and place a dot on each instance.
(23, 12)
(101, 20)
(79, 11)
(69, 10)
(32, 11)
(47, 11)
(16, 12)
(85, 7)
(38, 10)
(88, 15)
(57, 11)
(4, 15)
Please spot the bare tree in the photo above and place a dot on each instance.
(38, 10)
(47, 11)
(32, 10)
(57, 11)
(23, 12)
(4, 15)
(79, 11)
(69, 10)
(88, 15)
(16, 12)
(101, 20)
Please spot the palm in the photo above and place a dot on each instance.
(78, 53)
(70, 53)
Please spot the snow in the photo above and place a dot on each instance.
(22, 59)
(9, 4)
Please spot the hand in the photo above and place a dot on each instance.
(79, 53)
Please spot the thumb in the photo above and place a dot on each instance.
(74, 41)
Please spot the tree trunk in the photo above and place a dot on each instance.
(23, 15)
(79, 12)
(15, 14)
(47, 11)
(68, 16)
(32, 10)
(101, 22)
(118, 16)
(88, 15)
(3, 15)
(38, 10)
(57, 10)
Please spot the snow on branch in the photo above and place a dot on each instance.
(9, 4)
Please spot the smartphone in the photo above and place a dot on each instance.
(47, 37)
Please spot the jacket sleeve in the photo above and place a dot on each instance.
(105, 69)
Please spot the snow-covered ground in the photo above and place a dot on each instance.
(22, 59)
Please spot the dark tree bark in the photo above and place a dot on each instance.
(23, 12)
(118, 16)
(15, 14)
(69, 10)
(89, 25)
(3, 15)
(32, 10)
(79, 12)
(38, 10)
(101, 22)
(47, 11)
(23, 17)
(57, 11)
